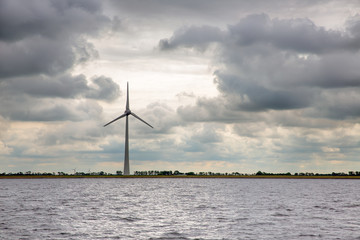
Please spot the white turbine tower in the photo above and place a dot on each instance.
(126, 114)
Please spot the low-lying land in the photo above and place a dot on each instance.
(175, 176)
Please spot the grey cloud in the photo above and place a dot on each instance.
(337, 104)
(22, 108)
(38, 55)
(38, 111)
(353, 25)
(35, 55)
(203, 143)
(48, 37)
(70, 132)
(54, 112)
(192, 36)
(271, 65)
(4, 124)
(332, 71)
(208, 134)
(250, 96)
(213, 110)
(162, 117)
(51, 19)
(214, 12)
(103, 88)
(63, 86)
(42, 98)
(300, 35)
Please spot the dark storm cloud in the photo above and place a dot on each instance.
(63, 86)
(251, 96)
(35, 55)
(209, 11)
(59, 98)
(40, 43)
(337, 104)
(300, 35)
(50, 19)
(277, 64)
(47, 37)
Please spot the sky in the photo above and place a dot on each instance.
(229, 86)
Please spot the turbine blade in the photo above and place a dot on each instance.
(127, 97)
(123, 115)
(140, 119)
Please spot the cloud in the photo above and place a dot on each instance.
(337, 104)
(191, 37)
(35, 55)
(300, 35)
(210, 109)
(161, 116)
(24, 108)
(275, 64)
(41, 42)
(288, 90)
(103, 88)
(48, 37)
(63, 86)
(248, 95)
(50, 19)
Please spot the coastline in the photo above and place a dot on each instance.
(176, 176)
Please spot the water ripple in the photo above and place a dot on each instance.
(203, 209)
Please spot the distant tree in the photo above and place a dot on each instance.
(176, 172)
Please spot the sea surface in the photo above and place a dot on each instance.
(157, 208)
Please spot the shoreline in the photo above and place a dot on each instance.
(178, 176)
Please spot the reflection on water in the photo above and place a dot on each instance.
(179, 209)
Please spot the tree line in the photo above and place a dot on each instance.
(177, 173)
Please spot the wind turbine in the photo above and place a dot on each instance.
(126, 114)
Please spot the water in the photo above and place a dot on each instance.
(179, 209)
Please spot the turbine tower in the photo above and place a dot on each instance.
(126, 114)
